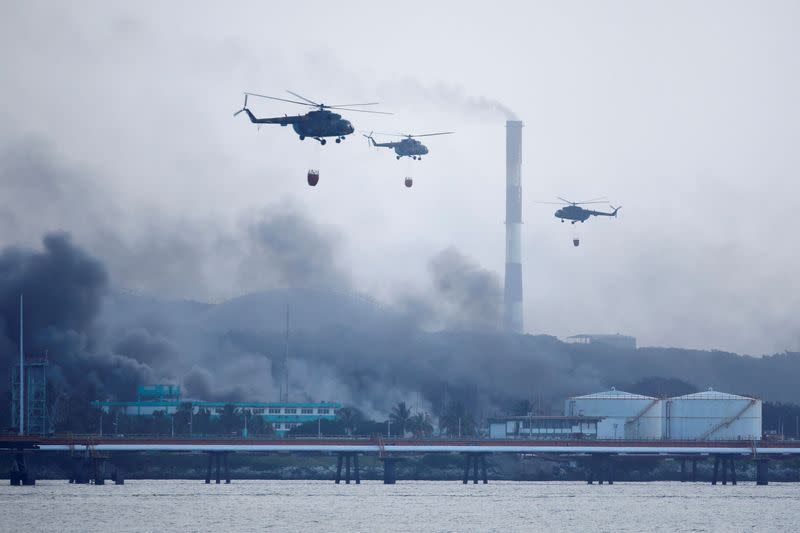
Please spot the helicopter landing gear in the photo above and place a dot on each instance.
(398, 158)
(409, 182)
(419, 158)
(562, 220)
(322, 142)
(302, 137)
(338, 140)
(573, 222)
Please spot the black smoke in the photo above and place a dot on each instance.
(63, 289)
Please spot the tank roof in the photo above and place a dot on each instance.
(612, 394)
(711, 394)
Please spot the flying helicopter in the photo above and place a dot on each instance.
(317, 124)
(409, 146)
(573, 211)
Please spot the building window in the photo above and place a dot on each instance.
(322, 411)
(306, 411)
(274, 411)
(290, 411)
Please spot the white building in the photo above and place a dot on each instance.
(623, 415)
(544, 427)
(712, 415)
(622, 342)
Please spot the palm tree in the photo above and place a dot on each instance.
(400, 415)
(350, 417)
(421, 425)
(183, 418)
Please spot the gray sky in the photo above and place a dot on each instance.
(686, 113)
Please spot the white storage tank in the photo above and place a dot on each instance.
(712, 415)
(624, 415)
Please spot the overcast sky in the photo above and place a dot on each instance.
(686, 113)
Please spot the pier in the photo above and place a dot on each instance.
(93, 456)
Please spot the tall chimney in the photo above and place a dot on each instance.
(513, 283)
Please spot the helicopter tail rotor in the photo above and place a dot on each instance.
(616, 209)
(370, 140)
(244, 107)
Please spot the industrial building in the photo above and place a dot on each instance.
(707, 415)
(622, 342)
(712, 415)
(282, 416)
(623, 415)
(544, 427)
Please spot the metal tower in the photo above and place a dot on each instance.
(32, 387)
(513, 320)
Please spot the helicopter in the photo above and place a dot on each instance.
(317, 124)
(573, 211)
(409, 146)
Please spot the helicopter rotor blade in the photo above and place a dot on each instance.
(304, 98)
(364, 111)
(337, 106)
(549, 203)
(280, 99)
(565, 201)
(432, 134)
(593, 200)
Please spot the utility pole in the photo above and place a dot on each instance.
(21, 372)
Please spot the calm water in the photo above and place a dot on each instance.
(408, 506)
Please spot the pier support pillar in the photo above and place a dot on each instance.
(474, 461)
(339, 459)
(716, 470)
(348, 460)
(208, 470)
(762, 471)
(694, 470)
(683, 470)
(610, 469)
(117, 476)
(601, 468)
(20, 474)
(217, 465)
(732, 466)
(389, 471)
(227, 469)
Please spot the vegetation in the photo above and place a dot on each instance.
(400, 417)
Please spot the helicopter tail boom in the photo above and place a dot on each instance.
(371, 139)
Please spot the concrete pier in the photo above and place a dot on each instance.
(345, 459)
(475, 461)
(19, 474)
(601, 468)
(762, 471)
